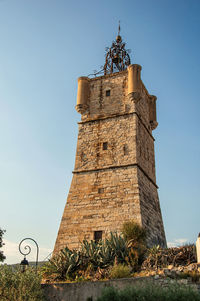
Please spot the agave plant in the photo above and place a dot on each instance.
(91, 252)
(118, 247)
(92, 255)
(63, 265)
(104, 253)
(75, 262)
(106, 256)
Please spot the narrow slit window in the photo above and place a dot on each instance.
(107, 93)
(105, 145)
(97, 236)
(125, 149)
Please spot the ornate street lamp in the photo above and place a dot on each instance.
(24, 263)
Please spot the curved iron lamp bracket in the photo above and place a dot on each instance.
(28, 248)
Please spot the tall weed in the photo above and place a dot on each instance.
(18, 286)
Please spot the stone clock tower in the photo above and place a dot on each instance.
(114, 175)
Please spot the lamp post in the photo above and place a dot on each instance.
(198, 249)
(24, 263)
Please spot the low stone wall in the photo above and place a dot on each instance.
(90, 291)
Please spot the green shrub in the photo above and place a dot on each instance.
(135, 237)
(120, 271)
(150, 293)
(108, 294)
(133, 231)
(18, 286)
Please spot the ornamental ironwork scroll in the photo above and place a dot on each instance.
(27, 249)
(117, 57)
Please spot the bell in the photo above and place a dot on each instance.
(118, 39)
(116, 59)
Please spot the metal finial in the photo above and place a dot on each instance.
(117, 57)
(119, 28)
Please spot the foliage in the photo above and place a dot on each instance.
(93, 257)
(132, 231)
(91, 253)
(135, 237)
(63, 265)
(2, 257)
(70, 264)
(158, 257)
(120, 271)
(110, 293)
(118, 247)
(105, 252)
(150, 293)
(18, 286)
(136, 255)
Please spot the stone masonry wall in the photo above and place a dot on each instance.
(89, 290)
(145, 150)
(150, 211)
(101, 105)
(114, 177)
(120, 135)
(99, 201)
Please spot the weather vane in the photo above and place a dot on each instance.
(117, 57)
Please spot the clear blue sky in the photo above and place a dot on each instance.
(45, 46)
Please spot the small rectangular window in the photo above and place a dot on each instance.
(105, 145)
(97, 236)
(100, 190)
(107, 92)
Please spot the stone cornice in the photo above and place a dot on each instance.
(115, 167)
